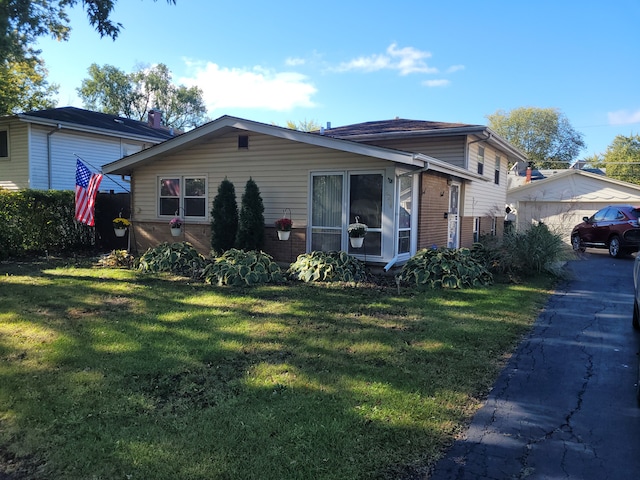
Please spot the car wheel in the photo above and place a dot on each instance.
(614, 247)
(576, 243)
(636, 315)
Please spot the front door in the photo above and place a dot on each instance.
(453, 240)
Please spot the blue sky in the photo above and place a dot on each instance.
(353, 61)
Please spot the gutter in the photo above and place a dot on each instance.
(49, 159)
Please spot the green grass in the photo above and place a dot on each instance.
(110, 374)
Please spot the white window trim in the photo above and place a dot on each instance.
(181, 211)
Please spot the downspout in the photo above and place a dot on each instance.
(49, 160)
(419, 156)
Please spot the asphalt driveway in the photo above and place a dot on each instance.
(565, 406)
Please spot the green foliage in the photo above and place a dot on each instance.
(622, 158)
(23, 21)
(110, 90)
(35, 221)
(543, 134)
(24, 87)
(445, 268)
(327, 267)
(180, 258)
(240, 268)
(534, 251)
(251, 223)
(224, 218)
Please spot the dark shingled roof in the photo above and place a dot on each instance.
(104, 121)
(397, 125)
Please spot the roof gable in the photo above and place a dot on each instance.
(573, 185)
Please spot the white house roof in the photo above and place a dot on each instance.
(227, 123)
(572, 185)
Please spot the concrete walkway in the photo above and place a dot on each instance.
(565, 406)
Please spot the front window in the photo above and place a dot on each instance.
(496, 177)
(183, 196)
(336, 200)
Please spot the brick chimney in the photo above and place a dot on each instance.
(155, 118)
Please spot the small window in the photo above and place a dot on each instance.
(243, 141)
(183, 196)
(4, 144)
(476, 229)
(481, 160)
(496, 175)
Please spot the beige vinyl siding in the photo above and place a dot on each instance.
(448, 149)
(281, 169)
(485, 198)
(14, 170)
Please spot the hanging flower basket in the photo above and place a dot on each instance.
(283, 227)
(176, 226)
(120, 226)
(357, 231)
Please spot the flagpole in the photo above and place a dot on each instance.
(100, 170)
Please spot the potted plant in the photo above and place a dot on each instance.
(120, 226)
(176, 226)
(357, 231)
(283, 227)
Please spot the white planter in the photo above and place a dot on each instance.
(120, 231)
(356, 242)
(176, 232)
(283, 235)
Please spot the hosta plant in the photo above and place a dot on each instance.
(239, 268)
(180, 258)
(327, 267)
(117, 259)
(445, 268)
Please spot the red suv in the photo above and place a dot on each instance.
(614, 227)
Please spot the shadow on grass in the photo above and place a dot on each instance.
(116, 375)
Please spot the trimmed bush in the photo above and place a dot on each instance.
(445, 268)
(224, 218)
(251, 225)
(327, 267)
(239, 268)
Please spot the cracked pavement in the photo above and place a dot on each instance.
(565, 405)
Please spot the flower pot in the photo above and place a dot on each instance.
(176, 232)
(356, 242)
(120, 231)
(283, 235)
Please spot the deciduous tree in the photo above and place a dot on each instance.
(622, 158)
(110, 90)
(23, 87)
(543, 134)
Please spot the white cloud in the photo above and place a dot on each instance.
(405, 60)
(455, 68)
(295, 62)
(258, 87)
(624, 117)
(436, 83)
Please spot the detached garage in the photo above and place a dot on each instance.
(560, 201)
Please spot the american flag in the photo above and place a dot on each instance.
(87, 184)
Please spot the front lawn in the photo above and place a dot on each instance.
(112, 374)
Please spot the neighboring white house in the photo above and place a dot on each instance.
(38, 150)
(564, 197)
